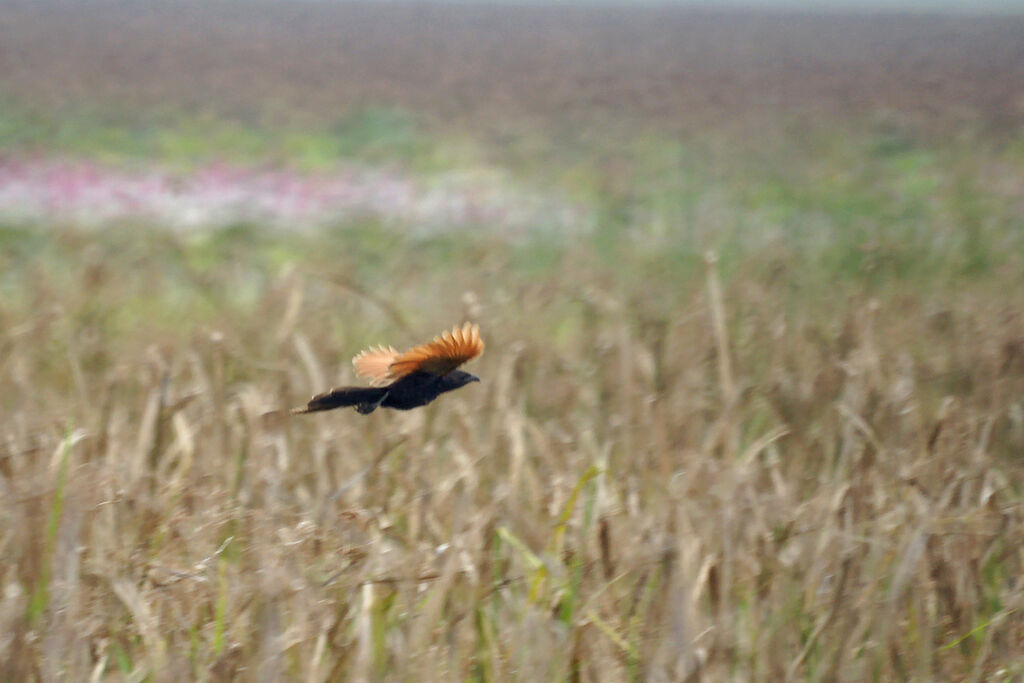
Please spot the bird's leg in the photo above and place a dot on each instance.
(367, 408)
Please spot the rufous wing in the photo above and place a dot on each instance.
(441, 355)
(374, 363)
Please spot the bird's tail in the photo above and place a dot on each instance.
(366, 399)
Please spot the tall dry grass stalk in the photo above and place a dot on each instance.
(727, 487)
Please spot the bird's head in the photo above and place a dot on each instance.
(456, 379)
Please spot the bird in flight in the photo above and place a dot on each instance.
(405, 380)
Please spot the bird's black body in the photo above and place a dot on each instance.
(411, 391)
(417, 376)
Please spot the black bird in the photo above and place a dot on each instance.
(406, 380)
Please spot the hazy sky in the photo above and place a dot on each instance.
(921, 5)
(960, 5)
(971, 6)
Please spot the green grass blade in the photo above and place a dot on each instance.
(41, 593)
(570, 505)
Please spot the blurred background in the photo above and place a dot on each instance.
(751, 279)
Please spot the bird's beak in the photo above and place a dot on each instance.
(473, 378)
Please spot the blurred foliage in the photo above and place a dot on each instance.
(846, 203)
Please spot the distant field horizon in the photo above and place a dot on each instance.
(495, 69)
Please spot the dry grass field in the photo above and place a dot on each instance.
(677, 483)
(764, 421)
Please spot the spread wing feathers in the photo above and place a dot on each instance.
(438, 357)
(373, 364)
(442, 355)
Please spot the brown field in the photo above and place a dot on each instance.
(495, 66)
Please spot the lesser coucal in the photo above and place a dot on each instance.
(406, 380)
